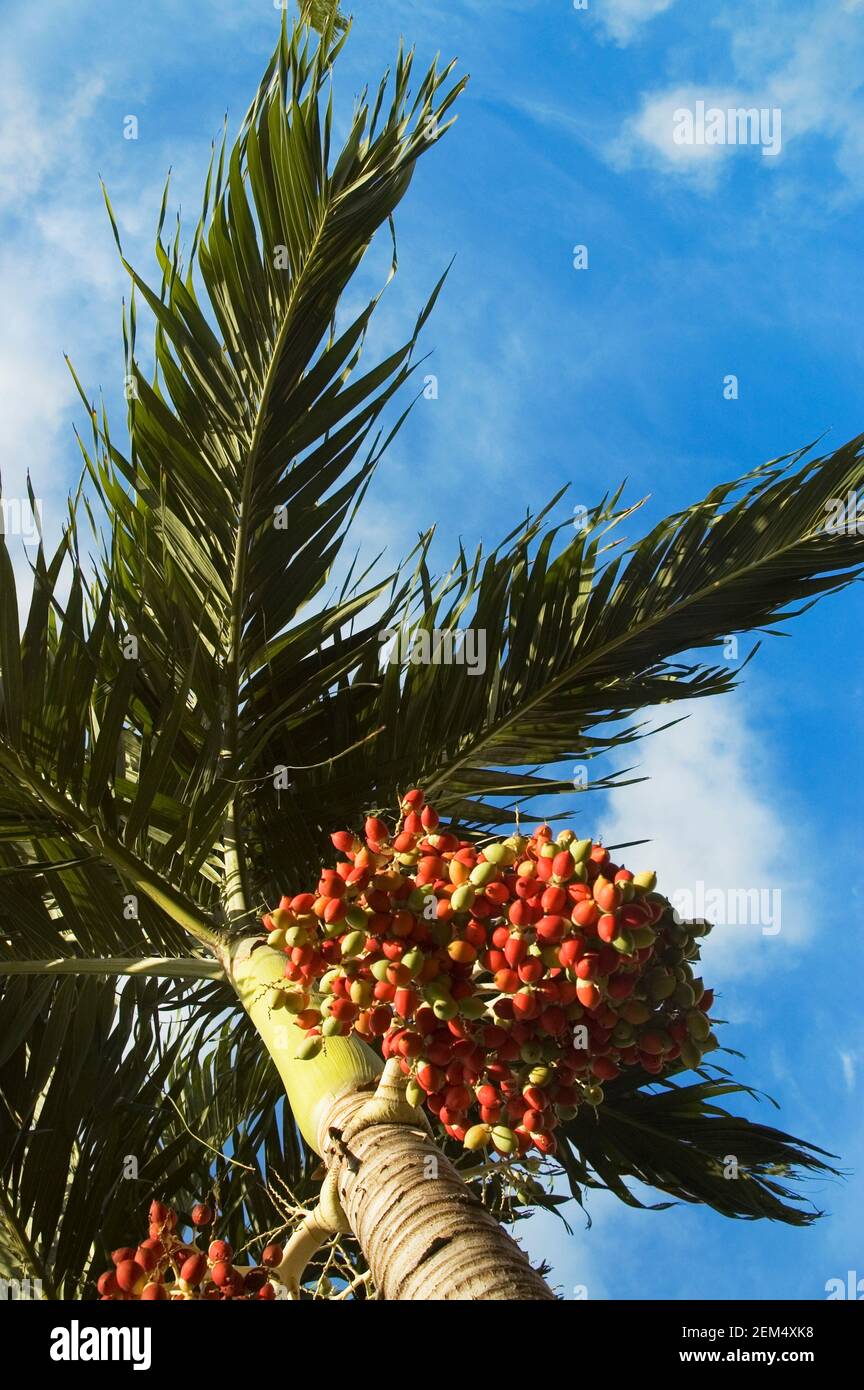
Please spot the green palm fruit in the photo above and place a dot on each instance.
(593, 1095)
(463, 897)
(661, 984)
(504, 1139)
(414, 1093)
(276, 938)
(445, 1009)
(647, 881)
(294, 1000)
(565, 838)
(472, 1006)
(502, 854)
(624, 943)
(698, 1026)
(684, 996)
(482, 874)
(325, 984)
(540, 1076)
(353, 944)
(531, 1052)
(355, 918)
(296, 936)
(414, 960)
(379, 970)
(275, 998)
(331, 1027)
(518, 844)
(309, 1048)
(691, 1053)
(566, 1112)
(580, 849)
(643, 936)
(478, 1137)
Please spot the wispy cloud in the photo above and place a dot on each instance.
(623, 19)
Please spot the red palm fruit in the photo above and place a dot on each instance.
(344, 841)
(532, 1121)
(376, 831)
(410, 1045)
(562, 865)
(570, 951)
(194, 1268)
(404, 841)
(272, 1256)
(131, 1277)
(202, 1214)
(430, 1077)
(492, 1037)
(493, 961)
(220, 1252)
(412, 800)
(586, 968)
(654, 1044)
(429, 818)
(503, 1008)
(490, 1114)
(604, 1069)
(266, 1291)
(515, 950)
(508, 1051)
(535, 1097)
(621, 986)
(623, 876)
(160, 1215)
(440, 1052)
(607, 897)
(520, 913)
(221, 1273)
(334, 911)
(525, 887)
(107, 1284)
(392, 950)
(153, 1291)
(524, 1005)
(585, 914)
(126, 1252)
(307, 1019)
(302, 904)
(486, 1094)
(403, 923)
(544, 870)
(449, 1117)
(405, 1000)
(588, 994)
(531, 970)
(462, 952)
(500, 937)
(554, 900)
(412, 823)
(706, 1001)
(458, 1098)
(651, 1063)
(475, 932)
(607, 927)
(497, 893)
(599, 855)
(545, 1142)
(380, 1019)
(344, 1010)
(550, 930)
(552, 1021)
(146, 1257)
(507, 981)
(331, 884)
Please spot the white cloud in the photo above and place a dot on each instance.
(847, 1061)
(809, 70)
(718, 817)
(622, 19)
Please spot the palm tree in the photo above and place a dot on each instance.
(178, 738)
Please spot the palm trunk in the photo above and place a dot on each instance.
(424, 1234)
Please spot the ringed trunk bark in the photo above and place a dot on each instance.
(425, 1235)
(423, 1232)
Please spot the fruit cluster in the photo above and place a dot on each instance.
(511, 981)
(165, 1267)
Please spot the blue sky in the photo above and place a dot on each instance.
(703, 262)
